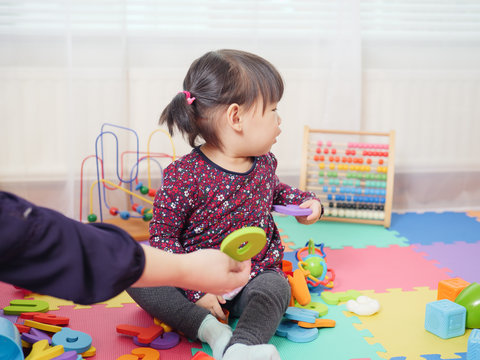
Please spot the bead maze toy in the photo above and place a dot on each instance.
(351, 172)
(139, 195)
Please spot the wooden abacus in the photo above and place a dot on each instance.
(352, 176)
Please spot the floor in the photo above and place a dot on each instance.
(400, 267)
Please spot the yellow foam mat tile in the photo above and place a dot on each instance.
(55, 303)
(399, 326)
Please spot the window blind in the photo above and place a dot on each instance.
(246, 18)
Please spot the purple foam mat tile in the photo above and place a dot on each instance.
(460, 257)
(430, 227)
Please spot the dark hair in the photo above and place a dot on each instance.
(218, 79)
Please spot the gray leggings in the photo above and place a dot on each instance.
(260, 307)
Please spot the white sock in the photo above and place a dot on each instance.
(215, 334)
(251, 352)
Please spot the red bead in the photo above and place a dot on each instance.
(325, 151)
(113, 211)
(152, 192)
(134, 207)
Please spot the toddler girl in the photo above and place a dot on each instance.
(226, 183)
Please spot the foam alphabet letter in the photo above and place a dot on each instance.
(19, 306)
(72, 340)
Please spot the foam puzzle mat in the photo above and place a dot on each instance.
(400, 267)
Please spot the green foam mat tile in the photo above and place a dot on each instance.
(336, 235)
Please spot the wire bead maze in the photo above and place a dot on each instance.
(130, 185)
(351, 172)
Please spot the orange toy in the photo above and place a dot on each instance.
(298, 283)
(449, 289)
(202, 356)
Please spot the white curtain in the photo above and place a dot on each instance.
(68, 66)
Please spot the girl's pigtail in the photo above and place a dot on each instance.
(180, 114)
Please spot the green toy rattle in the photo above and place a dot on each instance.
(245, 243)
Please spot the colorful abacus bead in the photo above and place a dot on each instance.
(125, 215)
(92, 218)
(113, 211)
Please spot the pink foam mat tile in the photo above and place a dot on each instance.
(100, 323)
(460, 257)
(379, 269)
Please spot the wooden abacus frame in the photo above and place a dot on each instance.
(308, 163)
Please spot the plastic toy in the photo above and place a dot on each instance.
(293, 210)
(314, 263)
(298, 284)
(245, 243)
(10, 343)
(470, 299)
(363, 305)
(445, 318)
(334, 298)
(473, 350)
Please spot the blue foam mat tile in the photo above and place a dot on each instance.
(428, 228)
(462, 356)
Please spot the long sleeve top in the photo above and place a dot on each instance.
(200, 203)
(44, 251)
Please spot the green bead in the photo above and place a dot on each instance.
(147, 216)
(92, 218)
(144, 190)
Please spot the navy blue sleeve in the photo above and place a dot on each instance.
(44, 251)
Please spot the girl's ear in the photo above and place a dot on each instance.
(233, 117)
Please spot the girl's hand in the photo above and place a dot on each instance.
(316, 208)
(212, 303)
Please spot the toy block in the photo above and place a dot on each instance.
(450, 288)
(445, 318)
(473, 351)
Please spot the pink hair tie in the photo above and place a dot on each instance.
(189, 98)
